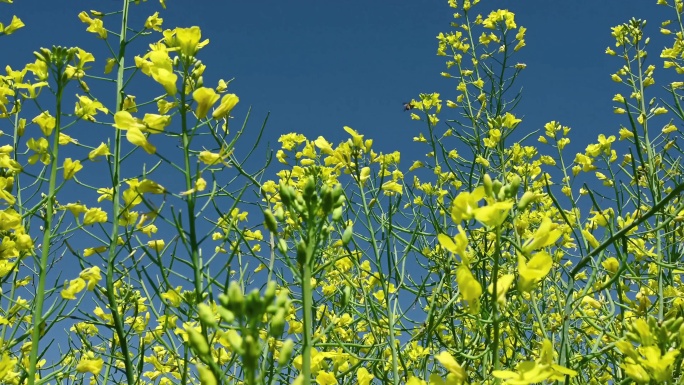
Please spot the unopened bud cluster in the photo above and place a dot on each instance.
(313, 208)
(256, 313)
(498, 190)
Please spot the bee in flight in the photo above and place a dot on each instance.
(409, 106)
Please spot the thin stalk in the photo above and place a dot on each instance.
(307, 303)
(495, 304)
(47, 234)
(116, 208)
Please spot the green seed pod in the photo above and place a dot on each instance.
(286, 195)
(340, 201)
(237, 298)
(206, 376)
(487, 182)
(527, 198)
(633, 337)
(282, 246)
(270, 221)
(253, 304)
(277, 323)
(515, 184)
(226, 314)
(496, 187)
(309, 188)
(206, 315)
(283, 299)
(224, 300)
(280, 214)
(347, 235)
(337, 193)
(337, 214)
(299, 206)
(235, 341)
(301, 252)
(285, 352)
(249, 358)
(504, 193)
(326, 200)
(197, 342)
(672, 323)
(346, 296)
(270, 292)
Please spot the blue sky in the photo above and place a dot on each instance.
(320, 65)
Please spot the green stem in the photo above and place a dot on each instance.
(47, 234)
(116, 209)
(307, 305)
(495, 304)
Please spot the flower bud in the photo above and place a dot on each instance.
(285, 352)
(301, 252)
(277, 323)
(515, 184)
(236, 298)
(310, 187)
(280, 214)
(206, 315)
(226, 314)
(197, 342)
(235, 341)
(270, 292)
(487, 184)
(337, 214)
(282, 246)
(286, 195)
(270, 221)
(527, 198)
(347, 235)
(496, 187)
(206, 376)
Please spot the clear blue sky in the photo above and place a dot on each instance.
(320, 65)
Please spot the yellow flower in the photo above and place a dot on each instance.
(14, 25)
(212, 158)
(92, 276)
(228, 102)
(611, 264)
(94, 25)
(493, 214)
(160, 68)
(157, 245)
(470, 288)
(155, 123)
(205, 98)
(46, 122)
(94, 215)
(173, 297)
(188, 40)
(75, 286)
(544, 236)
(457, 245)
(452, 366)
(465, 204)
(363, 377)
(534, 270)
(325, 378)
(86, 108)
(90, 364)
(154, 22)
(71, 167)
(101, 150)
(134, 127)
